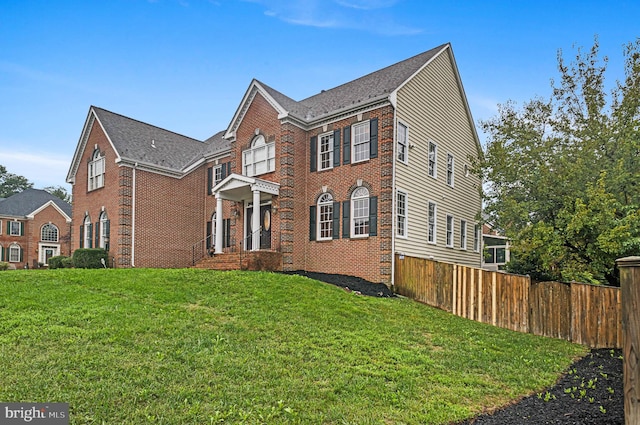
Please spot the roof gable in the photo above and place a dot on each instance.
(30, 202)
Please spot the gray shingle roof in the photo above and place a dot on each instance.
(140, 142)
(24, 203)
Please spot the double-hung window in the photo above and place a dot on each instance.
(15, 253)
(450, 169)
(15, 228)
(217, 174)
(401, 213)
(476, 238)
(463, 234)
(325, 217)
(450, 231)
(96, 171)
(432, 167)
(87, 231)
(361, 141)
(360, 212)
(260, 158)
(103, 238)
(431, 222)
(403, 143)
(325, 154)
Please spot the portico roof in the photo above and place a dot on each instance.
(240, 188)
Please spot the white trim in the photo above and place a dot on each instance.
(32, 215)
(449, 242)
(453, 169)
(352, 216)
(405, 230)
(330, 135)
(42, 246)
(435, 223)
(406, 141)
(435, 160)
(427, 63)
(463, 236)
(366, 124)
(328, 203)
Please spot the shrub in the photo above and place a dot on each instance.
(4, 266)
(67, 262)
(90, 258)
(56, 262)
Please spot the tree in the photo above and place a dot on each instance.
(562, 175)
(60, 192)
(11, 184)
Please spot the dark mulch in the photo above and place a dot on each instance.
(590, 393)
(350, 283)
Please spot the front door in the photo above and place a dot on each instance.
(265, 227)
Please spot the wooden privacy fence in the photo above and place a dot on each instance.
(586, 314)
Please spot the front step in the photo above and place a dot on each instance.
(256, 260)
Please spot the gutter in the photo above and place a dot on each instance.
(393, 201)
(133, 218)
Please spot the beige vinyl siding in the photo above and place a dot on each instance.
(432, 105)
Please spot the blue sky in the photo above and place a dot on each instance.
(184, 65)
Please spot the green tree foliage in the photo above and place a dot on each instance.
(11, 184)
(60, 192)
(562, 175)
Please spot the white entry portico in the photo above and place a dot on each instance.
(239, 188)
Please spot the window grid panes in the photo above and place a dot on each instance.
(449, 230)
(476, 238)
(360, 212)
(432, 223)
(96, 171)
(260, 159)
(14, 254)
(401, 204)
(433, 150)
(361, 142)
(326, 152)
(103, 230)
(325, 217)
(217, 174)
(463, 234)
(14, 228)
(450, 170)
(49, 233)
(402, 143)
(87, 232)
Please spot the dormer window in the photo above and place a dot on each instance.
(260, 158)
(96, 171)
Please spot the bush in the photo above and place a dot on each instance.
(67, 262)
(90, 258)
(4, 266)
(56, 262)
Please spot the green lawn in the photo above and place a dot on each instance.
(200, 347)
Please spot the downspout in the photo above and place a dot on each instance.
(393, 196)
(133, 218)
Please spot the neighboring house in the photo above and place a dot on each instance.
(496, 253)
(337, 183)
(34, 226)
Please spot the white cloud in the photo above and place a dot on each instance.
(42, 169)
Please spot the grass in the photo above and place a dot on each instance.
(188, 346)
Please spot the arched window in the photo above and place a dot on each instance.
(49, 233)
(15, 253)
(86, 233)
(103, 240)
(260, 158)
(96, 171)
(360, 212)
(325, 217)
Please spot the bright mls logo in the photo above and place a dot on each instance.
(34, 413)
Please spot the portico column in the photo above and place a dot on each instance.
(255, 221)
(218, 241)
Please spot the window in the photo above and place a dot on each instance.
(86, 230)
(96, 171)
(15, 253)
(325, 157)
(433, 160)
(431, 220)
(361, 138)
(217, 174)
(450, 170)
(463, 234)
(103, 238)
(401, 213)
(403, 143)
(360, 212)
(325, 217)
(15, 228)
(260, 158)
(449, 231)
(49, 233)
(495, 255)
(476, 238)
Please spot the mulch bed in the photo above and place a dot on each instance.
(589, 393)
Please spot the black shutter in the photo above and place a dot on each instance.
(336, 220)
(346, 223)
(209, 180)
(346, 143)
(373, 138)
(81, 244)
(226, 232)
(225, 170)
(107, 232)
(209, 225)
(21, 229)
(90, 235)
(312, 223)
(336, 148)
(313, 157)
(373, 216)
(21, 254)
(97, 235)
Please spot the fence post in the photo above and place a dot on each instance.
(630, 292)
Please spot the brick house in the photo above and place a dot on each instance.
(338, 182)
(34, 226)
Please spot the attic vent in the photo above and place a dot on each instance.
(322, 91)
(153, 143)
